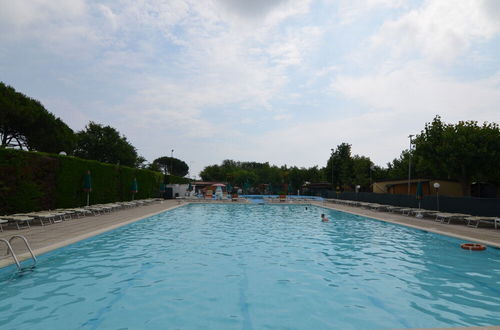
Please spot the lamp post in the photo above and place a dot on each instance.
(171, 164)
(436, 186)
(357, 191)
(371, 170)
(331, 164)
(409, 165)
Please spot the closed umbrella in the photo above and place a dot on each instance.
(229, 188)
(290, 191)
(87, 185)
(134, 188)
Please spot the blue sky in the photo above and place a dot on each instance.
(265, 80)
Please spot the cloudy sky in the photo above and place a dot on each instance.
(264, 80)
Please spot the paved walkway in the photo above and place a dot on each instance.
(47, 238)
(485, 235)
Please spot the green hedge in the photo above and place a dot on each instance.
(32, 181)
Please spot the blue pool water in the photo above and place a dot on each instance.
(255, 267)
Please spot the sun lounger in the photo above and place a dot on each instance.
(377, 207)
(448, 217)
(3, 221)
(407, 211)
(393, 208)
(20, 221)
(475, 221)
(421, 213)
(81, 212)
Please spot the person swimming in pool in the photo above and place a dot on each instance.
(324, 218)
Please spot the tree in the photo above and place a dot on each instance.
(339, 166)
(464, 152)
(26, 124)
(170, 165)
(104, 144)
(361, 171)
(239, 173)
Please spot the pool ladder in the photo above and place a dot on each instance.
(11, 250)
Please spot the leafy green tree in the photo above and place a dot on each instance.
(141, 163)
(339, 167)
(104, 144)
(465, 152)
(26, 124)
(398, 168)
(361, 171)
(171, 165)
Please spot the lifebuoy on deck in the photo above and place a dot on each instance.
(473, 247)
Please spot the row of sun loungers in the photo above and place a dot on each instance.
(442, 217)
(23, 220)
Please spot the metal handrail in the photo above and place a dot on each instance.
(27, 245)
(9, 249)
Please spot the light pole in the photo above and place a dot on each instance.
(436, 186)
(409, 165)
(371, 170)
(171, 164)
(331, 164)
(357, 191)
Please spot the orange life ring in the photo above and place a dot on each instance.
(473, 247)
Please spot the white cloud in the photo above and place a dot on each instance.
(418, 92)
(249, 80)
(261, 12)
(439, 30)
(352, 10)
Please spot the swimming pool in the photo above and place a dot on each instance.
(252, 267)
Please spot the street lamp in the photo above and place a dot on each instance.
(371, 170)
(171, 164)
(436, 186)
(409, 165)
(331, 164)
(357, 191)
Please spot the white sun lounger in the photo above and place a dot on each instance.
(475, 221)
(3, 221)
(448, 217)
(20, 221)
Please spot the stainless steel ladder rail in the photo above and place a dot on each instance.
(9, 249)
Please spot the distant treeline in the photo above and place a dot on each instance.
(466, 152)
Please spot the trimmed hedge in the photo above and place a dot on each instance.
(32, 181)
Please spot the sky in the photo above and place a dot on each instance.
(281, 81)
